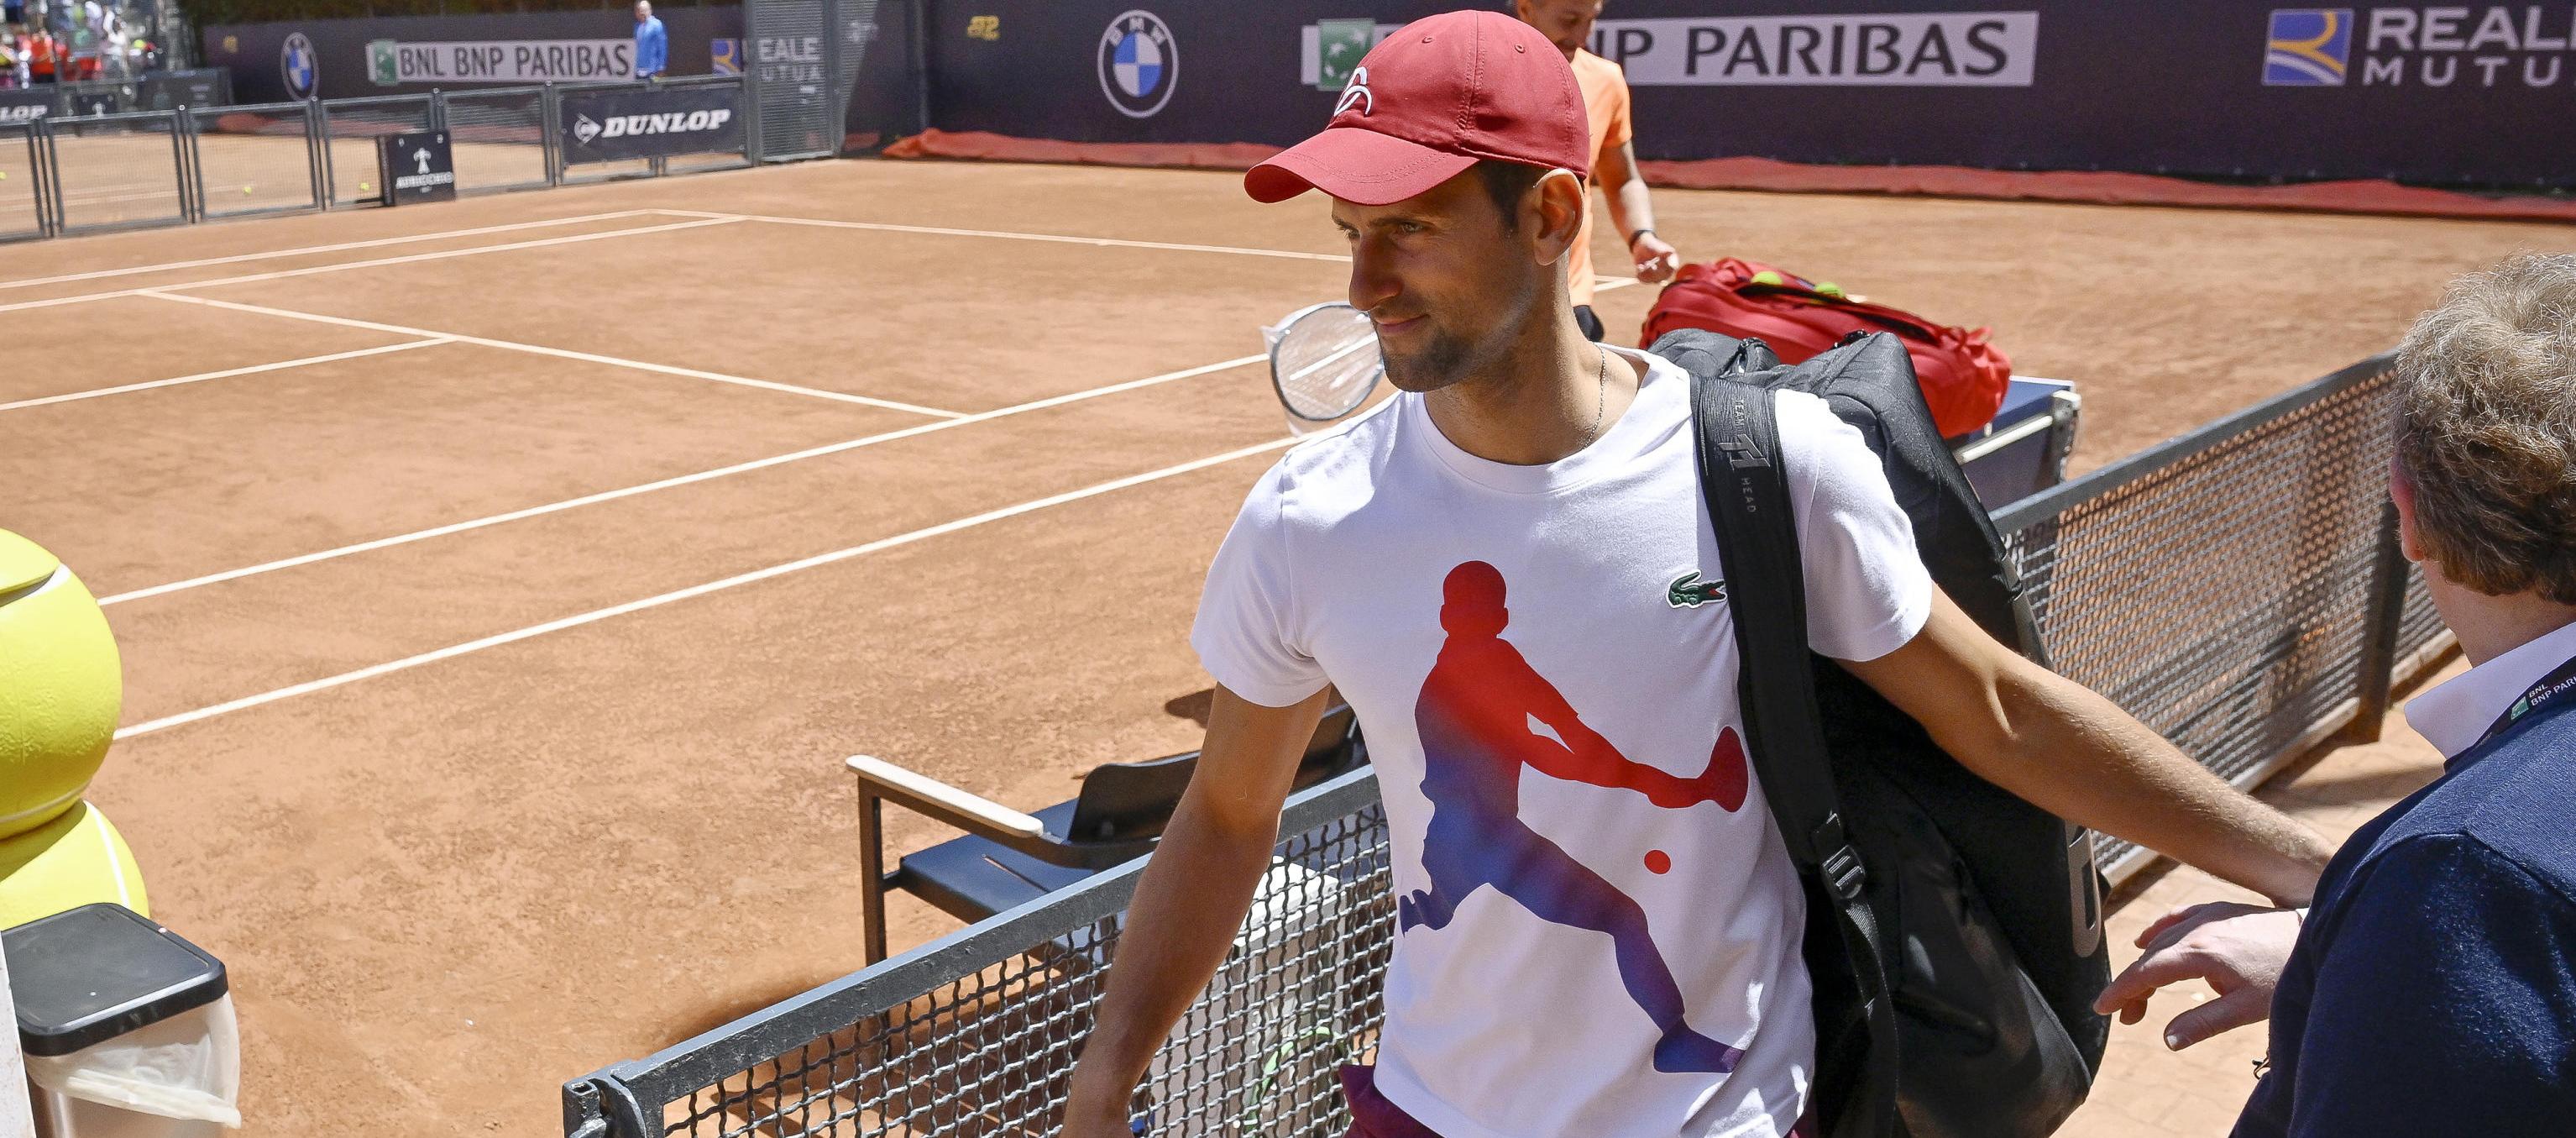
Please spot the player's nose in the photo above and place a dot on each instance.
(1372, 283)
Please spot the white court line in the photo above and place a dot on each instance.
(1057, 238)
(310, 249)
(740, 579)
(225, 374)
(670, 483)
(559, 353)
(337, 267)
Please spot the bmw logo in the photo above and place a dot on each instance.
(301, 65)
(1139, 63)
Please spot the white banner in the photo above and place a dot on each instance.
(390, 62)
(1945, 49)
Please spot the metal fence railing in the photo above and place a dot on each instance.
(72, 171)
(2238, 589)
(350, 128)
(501, 138)
(262, 158)
(118, 171)
(25, 203)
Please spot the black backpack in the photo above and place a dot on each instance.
(1954, 931)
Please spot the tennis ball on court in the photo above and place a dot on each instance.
(60, 686)
(245, 191)
(77, 859)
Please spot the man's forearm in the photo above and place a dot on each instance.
(1630, 209)
(1187, 910)
(2078, 755)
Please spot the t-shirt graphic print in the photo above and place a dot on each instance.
(1597, 927)
(1484, 714)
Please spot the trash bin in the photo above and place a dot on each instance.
(128, 1029)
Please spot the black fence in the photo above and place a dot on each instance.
(87, 173)
(2239, 589)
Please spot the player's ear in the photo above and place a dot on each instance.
(1559, 205)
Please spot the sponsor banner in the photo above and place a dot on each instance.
(416, 168)
(1948, 49)
(392, 63)
(1945, 49)
(2207, 88)
(19, 107)
(338, 59)
(2531, 47)
(610, 126)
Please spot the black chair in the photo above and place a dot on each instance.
(1007, 859)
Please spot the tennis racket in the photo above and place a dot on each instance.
(1324, 362)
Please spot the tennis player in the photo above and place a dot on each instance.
(1597, 925)
(1568, 25)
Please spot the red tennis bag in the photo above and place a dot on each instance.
(1962, 373)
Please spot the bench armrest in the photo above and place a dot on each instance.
(968, 812)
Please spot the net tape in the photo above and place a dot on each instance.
(2217, 587)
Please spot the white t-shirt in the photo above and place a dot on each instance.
(1585, 879)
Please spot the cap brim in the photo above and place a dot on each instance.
(1355, 165)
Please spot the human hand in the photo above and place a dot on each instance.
(1656, 259)
(2238, 949)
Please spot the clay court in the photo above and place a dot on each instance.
(501, 584)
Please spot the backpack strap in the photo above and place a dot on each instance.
(1747, 496)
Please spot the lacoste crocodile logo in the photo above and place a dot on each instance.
(1689, 592)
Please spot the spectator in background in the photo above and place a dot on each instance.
(652, 44)
(2432, 988)
(1568, 24)
(44, 54)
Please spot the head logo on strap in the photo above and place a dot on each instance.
(1356, 94)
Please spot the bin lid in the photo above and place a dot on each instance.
(87, 975)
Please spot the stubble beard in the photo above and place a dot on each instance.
(1450, 358)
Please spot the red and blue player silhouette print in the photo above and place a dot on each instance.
(1474, 717)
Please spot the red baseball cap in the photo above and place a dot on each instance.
(1431, 100)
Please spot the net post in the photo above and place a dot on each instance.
(185, 118)
(2377, 669)
(37, 152)
(316, 154)
(550, 108)
(330, 162)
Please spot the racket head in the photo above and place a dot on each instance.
(1324, 362)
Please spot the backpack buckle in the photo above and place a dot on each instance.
(1844, 873)
(1842, 869)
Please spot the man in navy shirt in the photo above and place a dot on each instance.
(2432, 987)
(652, 44)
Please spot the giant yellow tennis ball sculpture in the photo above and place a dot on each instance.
(60, 688)
(77, 859)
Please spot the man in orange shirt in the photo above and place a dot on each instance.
(1568, 24)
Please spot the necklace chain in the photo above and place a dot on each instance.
(1601, 401)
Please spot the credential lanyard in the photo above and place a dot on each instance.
(2558, 684)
